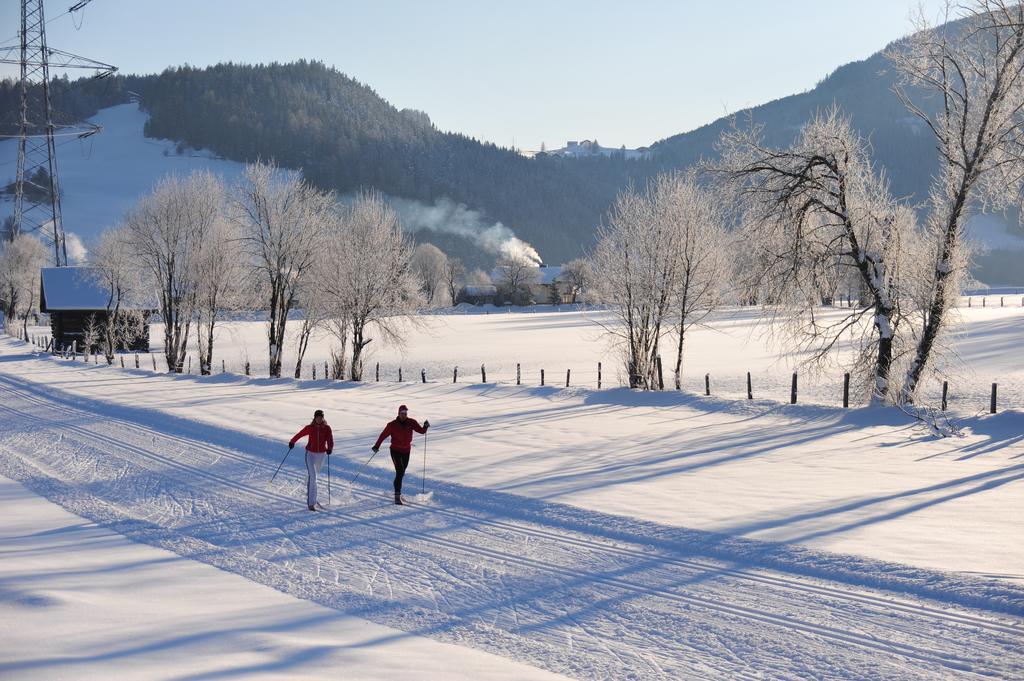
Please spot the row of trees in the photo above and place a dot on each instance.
(274, 243)
(816, 217)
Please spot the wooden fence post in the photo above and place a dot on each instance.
(518, 375)
(792, 390)
(945, 394)
(707, 385)
(74, 350)
(1000, 301)
(224, 366)
(846, 390)
(567, 377)
(983, 301)
(598, 375)
(399, 374)
(190, 364)
(122, 361)
(483, 374)
(326, 374)
(423, 375)
(750, 388)
(246, 367)
(153, 357)
(455, 374)
(542, 378)
(136, 360)
(992, 402)
(661, 377)
(968, 301)
(377, 373)
(314, 372)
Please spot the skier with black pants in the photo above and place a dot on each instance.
(400, 431)
(318, 446)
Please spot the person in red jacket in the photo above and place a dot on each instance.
(400, 431)
(320, 444)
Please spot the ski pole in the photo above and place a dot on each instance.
(362, 468)
(423, 477)
(279, 466)
(328, 479)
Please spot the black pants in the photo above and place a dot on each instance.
(401, 461)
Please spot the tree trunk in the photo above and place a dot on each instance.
(679, 357)
(303, 345)
(358, 343)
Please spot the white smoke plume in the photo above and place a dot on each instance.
(448, 217)
(75, 248)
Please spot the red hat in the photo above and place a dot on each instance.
(402, 408)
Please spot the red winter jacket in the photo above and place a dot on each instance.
(320, 438)
(400, 434)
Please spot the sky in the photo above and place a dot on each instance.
(514, 73)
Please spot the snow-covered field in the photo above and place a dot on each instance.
(735, 342)
(597, 534)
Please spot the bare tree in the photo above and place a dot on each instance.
(454, 271)
(974, 69)
(703, 249)
(20, 262)
(168, 229)
(116, 270)
(373, 284)
(515, 278)
(221, 276)
(572, 280)
(430, 263)
(639, 269)
(817, 212)
(282, 220)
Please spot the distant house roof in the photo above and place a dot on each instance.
(75, 288)
(481, 290)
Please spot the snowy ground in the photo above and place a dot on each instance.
(598, 534)
(160, 615)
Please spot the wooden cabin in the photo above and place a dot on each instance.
(75, 299)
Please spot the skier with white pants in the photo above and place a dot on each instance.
(319, 445)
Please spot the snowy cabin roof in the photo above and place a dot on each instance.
(74, 288)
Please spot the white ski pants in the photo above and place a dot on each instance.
(314, 461)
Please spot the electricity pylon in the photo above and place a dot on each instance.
(37, 191)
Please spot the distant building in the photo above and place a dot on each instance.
(75, 301)
(547, 290)
(588, 148)
(478, 295)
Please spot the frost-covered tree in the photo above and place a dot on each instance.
(372, 283)
(282, 221)
(700, 242)
(430, 264)
(117, 272)
(222, 276)
(572, 280)
(639, 270)
(973, 71)
(454, 272)
(168, 229)
(515, 278)
(20, 262)
(816, 213)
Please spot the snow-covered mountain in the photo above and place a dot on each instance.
(104, 175)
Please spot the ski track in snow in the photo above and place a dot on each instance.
(533, 587)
